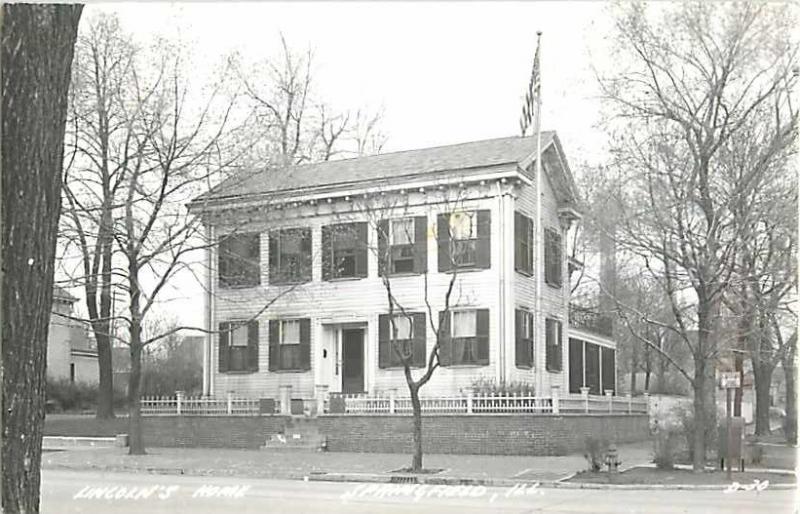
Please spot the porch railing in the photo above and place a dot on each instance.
(199, 406)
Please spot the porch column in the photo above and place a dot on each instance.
(585, 394)
(610, 396)
(321, 395)
(556, 398)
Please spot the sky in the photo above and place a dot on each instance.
(443, 73)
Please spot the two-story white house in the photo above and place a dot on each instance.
(296, 294)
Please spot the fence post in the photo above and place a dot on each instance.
(556, 398)
(179, 397)
(322, 394)
(286, 399)
(585, 394)
(229, 409)
(630, 402)
(470, 394)
(610, 396)
(392, 399)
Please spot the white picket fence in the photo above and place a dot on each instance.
(199, 406)
(365, 404)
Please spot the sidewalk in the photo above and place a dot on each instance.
(305, 464)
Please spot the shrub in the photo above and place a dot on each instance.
(665, 449)
(71, 396)
(595, 452)
(487, 387)
(686, 416)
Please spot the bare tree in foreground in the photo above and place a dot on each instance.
(37, 48)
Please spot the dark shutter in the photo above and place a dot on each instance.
(274, 345)
(483, 248)
(445, 357)
(383, 341)
(420, 244)
(519, 253)
(482, 333)
(305, 248)
(224, 346)
(361, 249)
(575, 365)
(327, 257)
(274, 272)
(419, 350)
(254, 264)
(609, 369)
(443, 242)
(223, 258)
(593, 368)
(383, 256)
(552, 258)
(520, 343)
(305, 344)
(551, 345)
(559, 353)
(252, 345)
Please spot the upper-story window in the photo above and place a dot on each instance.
(238, 346)
(402, 245)
(465, 337)
(239, 260)
(552, 257)
(344, 251)
(523, 244)
(290, 256)
(464, 240)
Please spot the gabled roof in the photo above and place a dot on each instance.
(460, 159)
(63, 295)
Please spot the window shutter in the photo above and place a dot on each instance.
(549, 336)
(419, 352)
(224, 347)
(482, 333)
(557, 258)
(305, 247)
(305, 344)
(521, 357)
(443, 242)
(532, 346)
(529, 236)
(274, 345)
(254, 266)
(420, 244)
(252, 345)
(519, 234)
(559, 337)
(383, 341)
(327, 257)
(222, 262)
(273, 257)
(609, 369)
(361, 249)
(445, 357)
(484, 246)
(552, 258)
(575, 365)
(383, 257)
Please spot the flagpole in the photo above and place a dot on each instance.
(537, 308)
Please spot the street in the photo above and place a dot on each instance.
(87, 491)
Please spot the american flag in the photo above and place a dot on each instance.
(532, 96)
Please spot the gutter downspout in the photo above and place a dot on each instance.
(501, 296)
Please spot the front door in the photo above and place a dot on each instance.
(352, 360)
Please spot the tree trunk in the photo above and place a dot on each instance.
(105, 391)
(134, 406)
(698, 437)
(416, 462)
(634, 364)
(790, 371)
(762, 375)
(37, 48)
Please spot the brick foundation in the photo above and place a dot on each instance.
(485, 434)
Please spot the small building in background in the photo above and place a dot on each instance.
(71, 352)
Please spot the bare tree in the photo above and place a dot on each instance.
(678, 104)
(37, 48)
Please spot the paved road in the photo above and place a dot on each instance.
(84, 491)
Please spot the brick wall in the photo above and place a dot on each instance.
(484, 434)
(249, 432)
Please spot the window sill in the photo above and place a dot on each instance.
(528, 274)
(399, 368)
(295, 283)
(466, 269)
(524, 366)
(555, 370)
(239, 372)
(553, 285)
(290, 371)
(404, 274)
(465, 366)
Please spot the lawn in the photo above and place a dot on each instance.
(651, 476)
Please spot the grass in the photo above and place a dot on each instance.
(652, 476)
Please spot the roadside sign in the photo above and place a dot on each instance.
(730, 380)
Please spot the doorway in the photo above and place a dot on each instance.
(352, 360)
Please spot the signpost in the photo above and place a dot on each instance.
(730, 380)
